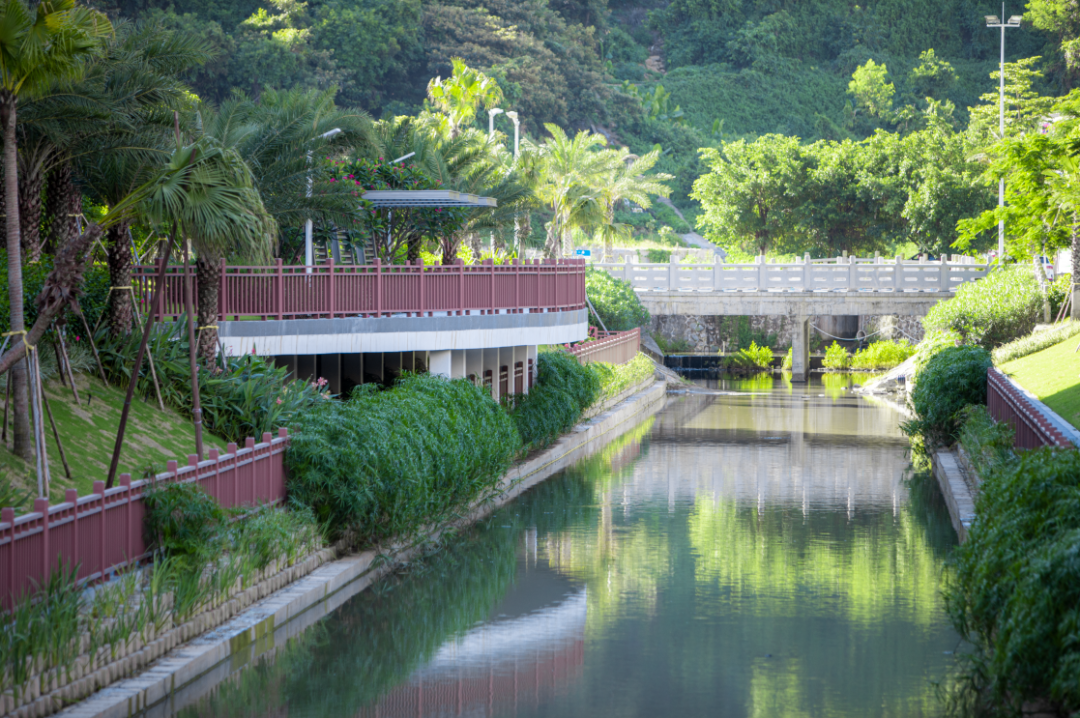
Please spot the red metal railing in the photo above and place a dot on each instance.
(610, 347)
(328, 290)
(1007, 403)
(103, 532)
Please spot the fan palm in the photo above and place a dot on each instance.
(36, 47)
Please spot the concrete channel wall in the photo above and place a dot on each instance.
(184, 675)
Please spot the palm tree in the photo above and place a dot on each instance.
(277, 139)
(134, 86)
(625, 179)
(570, 170)
(37, 47)
(458, 96)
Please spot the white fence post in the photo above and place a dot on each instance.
(673, 277)
(717, 280)
(898, 278)
(808, 273)
(943, 280)
(762, 281)
(852, 275)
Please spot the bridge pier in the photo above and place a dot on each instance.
(800, 349)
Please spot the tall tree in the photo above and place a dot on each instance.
(37, 47)
(459, 95)
(627, 179)
(570, 170)
(752, 191)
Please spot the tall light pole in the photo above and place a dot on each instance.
(309, 250)
(517, 148)
(517, 131)
(491, 120)
(1012, 22)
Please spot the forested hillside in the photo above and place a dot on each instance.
(683, 74)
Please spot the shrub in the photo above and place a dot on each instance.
(751, 359)
(241, 397)
(615, 301)
(883, 355)
(836, 357)
(92, 299)
(950, 380)
(564, 390)
(674, 346)
(1015, 595)
(183, 521)
(988, 443)
(1057, 292)
(386, 463)
(992, 311)
(789, 359)
(617, 378)
(1036, 342)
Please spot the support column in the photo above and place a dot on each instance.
(491, 364)
(457, 364)
(441, 364)
(474, 364)
(305, 367)
(329, 368)
(800, 350)
(352, 370)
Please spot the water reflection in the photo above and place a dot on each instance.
(751, 552)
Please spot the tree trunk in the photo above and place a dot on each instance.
(31, 182)
(1075, 279)
(23, 447)
(209, 281)
(118, 247)
(413, 243)
(551, 246)
(63, 204)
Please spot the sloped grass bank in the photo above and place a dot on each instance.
(88, 433)
(1053, 375)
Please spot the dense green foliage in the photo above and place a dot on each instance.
(183, 521)
(882, 355)
(1016, 592)
(1036, 342)
(752, 359)
(951, 379)
(617, 378)
(92, 299)
(241, 396)
(564, 389)
(987, 443)
(836, 357)
(1004, 306)
(615, 300)
(387, 463)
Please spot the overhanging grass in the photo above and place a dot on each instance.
(1053, 375)
(89, 434)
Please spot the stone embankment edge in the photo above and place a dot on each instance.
(955, 489)
(201, 663)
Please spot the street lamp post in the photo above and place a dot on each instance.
(491, 120)
(309, 249)
(517, 148)
(995, 22)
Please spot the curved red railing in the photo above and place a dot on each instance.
(1033, 428)
(610, 347)
(329, 290)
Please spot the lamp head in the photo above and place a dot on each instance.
(992, 20)
(513, 115)
(494, 111)
(331, 133)
(1015, 20)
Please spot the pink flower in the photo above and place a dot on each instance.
(333, 180)
(279, 401)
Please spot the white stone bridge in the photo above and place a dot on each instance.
(800, 290)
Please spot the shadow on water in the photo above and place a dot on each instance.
(759, 550)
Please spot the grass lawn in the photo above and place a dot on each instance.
(88, 432)
(1053, 375)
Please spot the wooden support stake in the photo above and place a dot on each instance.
(67, 365)
(149, 354)
(56, 435)
(7, 403)
(93, 347)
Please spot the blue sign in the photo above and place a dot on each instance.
(583, 252)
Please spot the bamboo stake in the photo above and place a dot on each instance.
(149, 355)
(67, 364)
(93, 346)
(196, 408)
(158, 294)
(59, 363)
(56, 435)
(42, 458)
(7, 403)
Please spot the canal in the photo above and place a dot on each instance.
(759, 550)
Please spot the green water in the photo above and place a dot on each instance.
(759, 551)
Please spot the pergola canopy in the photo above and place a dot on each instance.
(426, 198)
